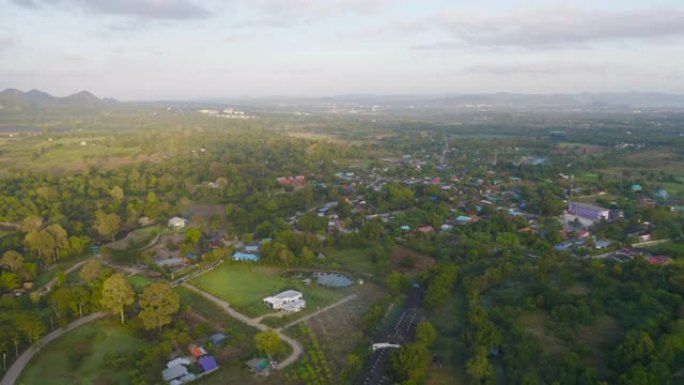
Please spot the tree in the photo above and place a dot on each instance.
(269, 343)
(440, 286)
(9, 281)
(41, 243)
(31, 223)
(409, 363)
(91, 271)
(13, 260)
(107, 225)
(480, 369)
(158, 303)
(116, 193)
(426, 333)
(60, 240)
(193, 235)
(117, 293)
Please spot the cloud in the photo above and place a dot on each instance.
(550, 68)
(284, 13)
(5, 43)
(556, 27)
(144, 9)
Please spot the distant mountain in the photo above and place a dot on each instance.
(83, 97)
(627, 99)
(16, 100)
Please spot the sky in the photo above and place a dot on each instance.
(200, 49)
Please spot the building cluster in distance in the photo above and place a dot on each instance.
(226, 113)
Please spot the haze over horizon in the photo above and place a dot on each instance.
(187, 49)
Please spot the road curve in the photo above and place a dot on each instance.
(296, 346)
(18, 366)
(48, 286)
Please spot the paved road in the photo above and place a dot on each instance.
(21, 362)
(296, 346)
(306, 317)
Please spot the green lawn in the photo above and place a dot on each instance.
(79, 357)
(139, 282)
(358, 261)
(244, 287)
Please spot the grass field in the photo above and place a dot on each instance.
(79, 357)
(244, 287)
(139, 282)
(448, 320)
(357, 261)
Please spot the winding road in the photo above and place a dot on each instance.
(225, 306)
(18, 366)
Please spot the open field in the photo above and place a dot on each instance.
(244, 287)
(79, 357)
(407, 260)
(357, 261)
(67, 154)
(448, 320)
(339, 329)
(579, 148)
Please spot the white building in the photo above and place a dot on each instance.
(177, 223)
(589, 211)
(289, 300)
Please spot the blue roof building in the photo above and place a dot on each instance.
(240, 256)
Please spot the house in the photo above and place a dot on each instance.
(170, 262)
(240, 256)
(463, 220)
(177, 223)
(426, 229)
(197, 351)
(258, 365)
(659, 260)
(218, 339)
(174, 373)
(589, 211)
(279, 301)
(208, 364)
(178, 361)
(293, 307)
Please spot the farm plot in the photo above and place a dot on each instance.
(339, 329)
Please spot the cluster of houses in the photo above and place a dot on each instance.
(226, 113)
(197, 363)
(297, 181)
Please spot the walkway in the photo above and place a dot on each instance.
(18, 366)
(296, 346)
(48, 286)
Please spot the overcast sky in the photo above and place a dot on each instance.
(187, 49)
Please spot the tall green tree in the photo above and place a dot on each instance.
(269, 343)
(107, 225)
(158, 304)
(117, 293)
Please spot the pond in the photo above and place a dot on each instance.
(329, 279)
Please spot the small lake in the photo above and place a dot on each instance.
(329, 279)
